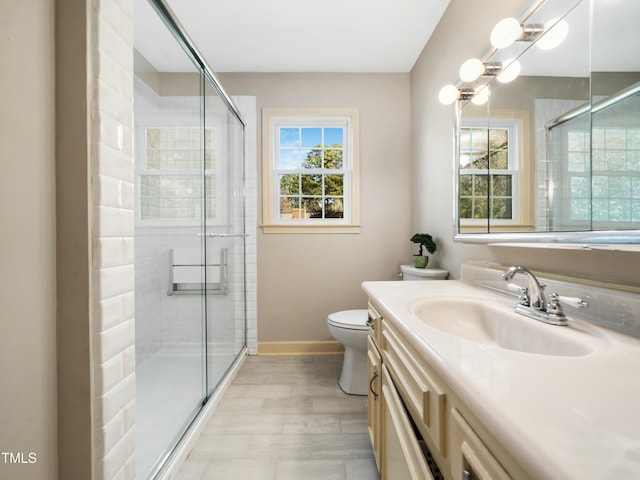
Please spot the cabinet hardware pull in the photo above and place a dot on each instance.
(373, 379)
(370, 321)
(466, 475)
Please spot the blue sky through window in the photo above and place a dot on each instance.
(311, 137)
(333, 136)
(289, 137)
(297, 142)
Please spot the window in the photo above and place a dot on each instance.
(310, 170)
(170, 181)
(616, 175)
(489, 187)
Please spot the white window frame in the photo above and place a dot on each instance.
(275, 118)
(513, 127)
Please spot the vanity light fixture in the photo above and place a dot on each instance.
(481, 95)
(471, 70)
(555, 33)
(450, 93)
(505, 33)
(510, 72)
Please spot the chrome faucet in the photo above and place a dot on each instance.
(535, 291)
(532, 302)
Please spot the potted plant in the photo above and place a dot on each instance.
(424, 240)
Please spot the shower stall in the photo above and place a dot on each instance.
(190, 280)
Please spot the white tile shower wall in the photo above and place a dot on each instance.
(247, 107)
(110, 30)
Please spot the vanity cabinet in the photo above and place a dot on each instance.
(374, 400)
(470, 458)
(402, 456)
(414, 418)
(374, 364)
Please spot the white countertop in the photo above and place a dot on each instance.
(573, 417)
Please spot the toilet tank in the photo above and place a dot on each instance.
(410, 272)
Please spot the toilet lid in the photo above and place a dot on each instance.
(351, 319)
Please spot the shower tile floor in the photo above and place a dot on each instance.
(285, 418)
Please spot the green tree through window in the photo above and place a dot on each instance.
(318, 193)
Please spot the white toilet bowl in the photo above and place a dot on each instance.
(349, 327)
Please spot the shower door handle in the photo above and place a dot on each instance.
(222, 235)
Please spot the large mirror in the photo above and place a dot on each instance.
(554, 154)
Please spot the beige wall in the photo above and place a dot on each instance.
(27, 242)
(304, 277)
(432, 153)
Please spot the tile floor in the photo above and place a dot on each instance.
(285, 418)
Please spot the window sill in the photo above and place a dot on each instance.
(276, 228)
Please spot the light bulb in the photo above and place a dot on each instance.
(471, 70)
(555, 33)
(505, 33)
(481, 95)
(448, 94)
(510, 72)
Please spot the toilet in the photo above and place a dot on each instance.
(350, 328)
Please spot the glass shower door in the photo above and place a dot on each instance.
(189, 236)
(225, 245)
(169, 245)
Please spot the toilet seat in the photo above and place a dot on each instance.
(349, 319)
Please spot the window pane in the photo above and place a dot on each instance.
(635, 211)
(501, 208)
(209, 159)
(480, 209)
(499, 160)
(481, 187)
(498, 139)
(479, 161)
(312, 158)
(580, 209)
(334, 208)
(289, 137)
(178, 160)
(465, 139)
(334, 185)
(333, 159)
(466, 207)
(501, 185)
(479, 139)
(156, 159)
(311, 137)
(333, 137)
(312, 207)
(174, 196)
(466, 184)
(289, 206)
(289, 158)
(209, 138)
(311, 184)
(178, 138)
(289, 184)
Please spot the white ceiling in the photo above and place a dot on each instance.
(292, 35)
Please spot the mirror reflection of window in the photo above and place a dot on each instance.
(494, 172)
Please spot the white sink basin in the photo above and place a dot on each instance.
(481, 322)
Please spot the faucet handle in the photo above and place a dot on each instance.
(554, 304)
(523, 293)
